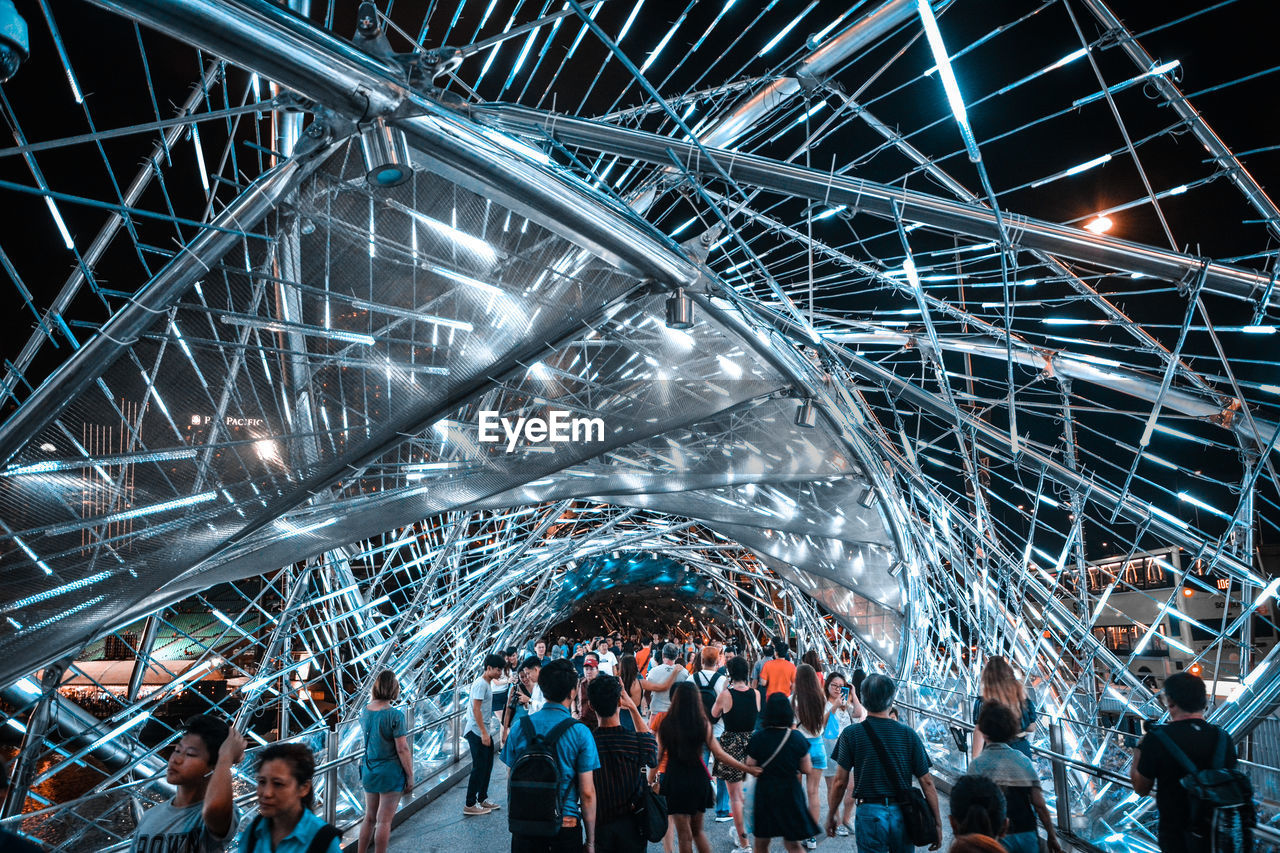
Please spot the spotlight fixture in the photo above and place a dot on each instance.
(1099, 224)
(14, 44)
(868, 497)
(386, 154)
(679, 310)
(807, 414)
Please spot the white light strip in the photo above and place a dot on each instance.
(166, 506)
(472, 244)
(62, 226)
(409, 314)
(313, 331)
(773, 42)
(952, 88)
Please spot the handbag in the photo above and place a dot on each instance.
(650, 811)
(917, 817)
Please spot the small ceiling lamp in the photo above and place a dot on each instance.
(1100, 224)
(386, 154)
(679, 310)
(807, 414)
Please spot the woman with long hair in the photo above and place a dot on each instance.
(780, 754)
(629, 675)
(285, 798)
(737, 707)
(686, 783)
(1001, 684)
(843, 710)
(386, 772)
(811, 657)
(810, 714)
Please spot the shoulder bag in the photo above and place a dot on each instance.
(917, 817)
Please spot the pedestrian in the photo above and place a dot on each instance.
(686, 782)
(736, 708)
(480, 738)
(607, 657)
(878, 825)
(1001, 684)
(779, 674)
(386, 770)
(502, 686)
(811, 657)
(201, 816)
(782, 755)
(540, 651)
(520, 697)
(711, 680)
(659, 683)
(766, 655)
(978, 807)
(810, 709)
(843, 710)
(1016, 776)
(285, 822)
(581, 707)
(1160, 761)
(623, 753)
(576, 760)
(629, 675)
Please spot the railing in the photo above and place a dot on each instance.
(103, 821)
(1062, 763)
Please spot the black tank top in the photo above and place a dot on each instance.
(741, 716)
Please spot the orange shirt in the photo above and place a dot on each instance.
(779, 674)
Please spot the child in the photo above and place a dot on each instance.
(201, 816)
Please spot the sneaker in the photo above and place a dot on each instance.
(474, 810)
(811, 844)
(490, 805)
(723, 817)
(843, 830)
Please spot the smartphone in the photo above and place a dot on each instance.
(845, 691)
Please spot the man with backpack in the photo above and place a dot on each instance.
(551, 798)
(1204, 804)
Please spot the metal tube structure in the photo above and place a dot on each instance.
(285, 48)
(880, 200)
(155, 297)
(106, 235)
(1236, 172)
(1116, 378)
(727, 131)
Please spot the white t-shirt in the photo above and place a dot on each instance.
(608, 662)
(482, 690)
(166, 827)
(661, 701)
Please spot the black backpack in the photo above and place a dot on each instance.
(319, 842)
(706, 691)
(1222, 814)
(534, 804)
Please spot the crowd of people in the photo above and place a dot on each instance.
(598, 735)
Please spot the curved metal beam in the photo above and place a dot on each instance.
(879, 199)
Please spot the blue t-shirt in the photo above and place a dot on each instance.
(575, 751)
(295, 842)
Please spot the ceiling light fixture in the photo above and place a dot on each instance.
(679, 310)
(1099, 224)
(807, 414)
(386, 154)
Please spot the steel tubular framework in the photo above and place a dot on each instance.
(243, 465)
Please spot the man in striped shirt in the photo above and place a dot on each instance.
(622, 753)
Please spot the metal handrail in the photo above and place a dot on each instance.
(250, 797)
(1261, 832)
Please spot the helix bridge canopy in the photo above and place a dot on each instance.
(921, 333)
